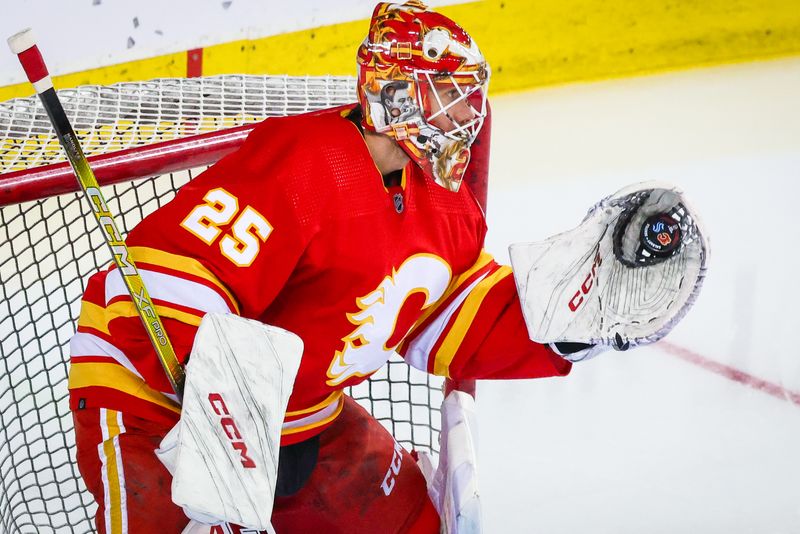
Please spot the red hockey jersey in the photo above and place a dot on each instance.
(296, 229)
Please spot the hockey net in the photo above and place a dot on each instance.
(144, 140)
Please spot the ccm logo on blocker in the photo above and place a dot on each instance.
(230, 428)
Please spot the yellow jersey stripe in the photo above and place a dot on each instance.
(181, 263)
(452, 341)
(97, 317)
(126, 308)
(333, 397)
(483, 260)
(315, 424)
(114, 513)
(93, 316)
(113, 376)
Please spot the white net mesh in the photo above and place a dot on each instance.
(127, 115)
(49, 246)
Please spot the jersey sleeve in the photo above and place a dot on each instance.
(477, 331)
(226, 243)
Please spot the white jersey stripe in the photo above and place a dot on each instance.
(315, 417)
(170, 288)
(115, 513)
(101, 452)
(83, 344)
(123, 494)
(419, 350)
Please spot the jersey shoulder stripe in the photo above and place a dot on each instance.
(93, 316)
(183, 265)
(97, 319)
(169, 289)
(117, 377)
(84, 345)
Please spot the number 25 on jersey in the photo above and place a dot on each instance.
(242, 242)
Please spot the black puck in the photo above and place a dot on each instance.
(661, 235)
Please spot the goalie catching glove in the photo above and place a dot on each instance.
(623, 278)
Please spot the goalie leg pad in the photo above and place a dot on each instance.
(453, 487)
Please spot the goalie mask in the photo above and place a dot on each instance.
(422, 81)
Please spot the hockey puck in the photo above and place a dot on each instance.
(661, 236)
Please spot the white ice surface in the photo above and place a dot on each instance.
(644, 442)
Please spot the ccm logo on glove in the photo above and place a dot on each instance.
(586, 286)
(230, 428)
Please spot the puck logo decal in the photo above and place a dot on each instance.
(664, 238)
(661, 235)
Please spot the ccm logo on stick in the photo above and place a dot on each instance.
(230, 428)
(588, 282)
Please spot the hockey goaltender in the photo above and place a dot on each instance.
(294, 267)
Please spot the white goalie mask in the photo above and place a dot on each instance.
(422, 81)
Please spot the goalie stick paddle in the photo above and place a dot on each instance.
(24, 46)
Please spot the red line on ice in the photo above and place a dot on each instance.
(731, 373)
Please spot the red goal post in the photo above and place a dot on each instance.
(144, 140)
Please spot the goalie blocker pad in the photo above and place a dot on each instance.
(223, 453)
(624, 277)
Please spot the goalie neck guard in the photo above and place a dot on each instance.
(422, 81)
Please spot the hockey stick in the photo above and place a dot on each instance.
(24, 46)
